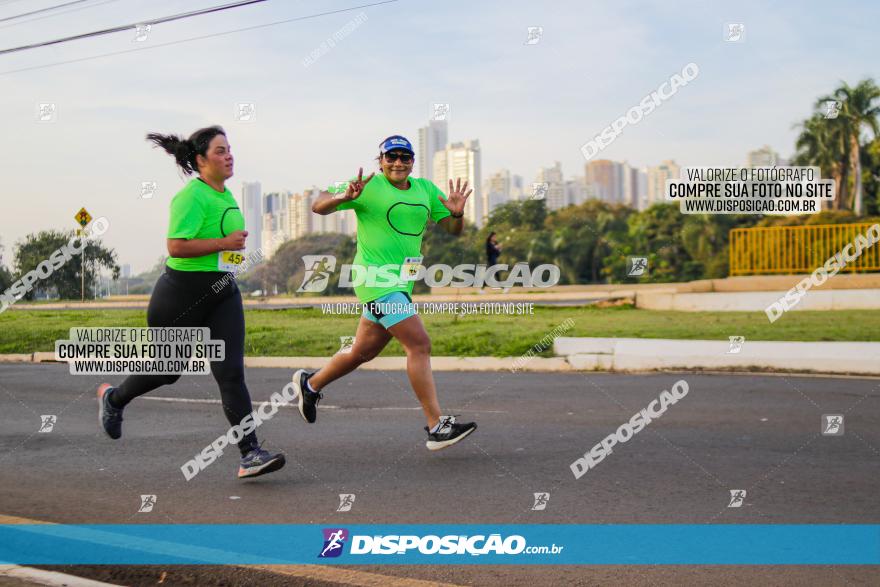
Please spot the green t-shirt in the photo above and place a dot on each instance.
(390, 226)
(199, 211)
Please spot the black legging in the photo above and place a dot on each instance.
(189, 299)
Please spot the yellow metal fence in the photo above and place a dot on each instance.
(796, 249)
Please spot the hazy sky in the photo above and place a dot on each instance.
(529, 105)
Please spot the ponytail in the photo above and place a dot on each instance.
(185, 151)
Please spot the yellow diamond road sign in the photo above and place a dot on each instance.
(83, 217)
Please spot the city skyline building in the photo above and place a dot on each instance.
(252, 210)
(657, 177)
(461, 160)
(554, 197)
(431, 139)
(606, 177)
(764, 157)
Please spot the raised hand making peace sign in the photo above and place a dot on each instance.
(457, 196)
(356, 187)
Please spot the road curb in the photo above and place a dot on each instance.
(437, 363)
(645, 354)
(619, 355)
(377, 364)
(32, 576)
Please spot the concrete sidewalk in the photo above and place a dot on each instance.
(533, 295)
(22, 576)
(647, 354)
(743, 293)
(622, 355)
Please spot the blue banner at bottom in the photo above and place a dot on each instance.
(563, 544)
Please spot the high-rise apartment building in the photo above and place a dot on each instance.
(606, 177)
(555, 195)
(432, 138)
(462, 160)
(657, 177)
(252, 210)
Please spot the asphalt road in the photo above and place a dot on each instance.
(760, 433)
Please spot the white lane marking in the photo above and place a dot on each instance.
(51, 578)
(186, 400)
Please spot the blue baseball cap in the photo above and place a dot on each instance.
(396, 142)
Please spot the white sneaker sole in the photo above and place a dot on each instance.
(257, 471)
(101, 410)
(297, 377)
(434, 445)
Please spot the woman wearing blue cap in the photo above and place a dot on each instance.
(392, 211)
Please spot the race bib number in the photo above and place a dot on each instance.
(409, 271)
(230, 261)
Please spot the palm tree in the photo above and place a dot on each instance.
(858, 110)
(822, 142)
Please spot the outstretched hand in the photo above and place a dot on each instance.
(457, 197)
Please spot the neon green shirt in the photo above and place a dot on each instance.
(390, 226)
(199, 211)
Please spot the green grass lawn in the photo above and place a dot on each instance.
(306, 332)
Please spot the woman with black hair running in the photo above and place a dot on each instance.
(392, 211)
(205, 230)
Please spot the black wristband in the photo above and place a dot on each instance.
(459, 216)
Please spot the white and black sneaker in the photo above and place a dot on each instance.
(306, 398)
(448, 433)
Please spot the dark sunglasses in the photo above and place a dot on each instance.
(404, 157)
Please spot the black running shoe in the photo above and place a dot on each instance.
(259, 462)
(308, 400)
(109, 417)
(448, 433)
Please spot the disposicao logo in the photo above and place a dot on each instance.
(334, 540)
